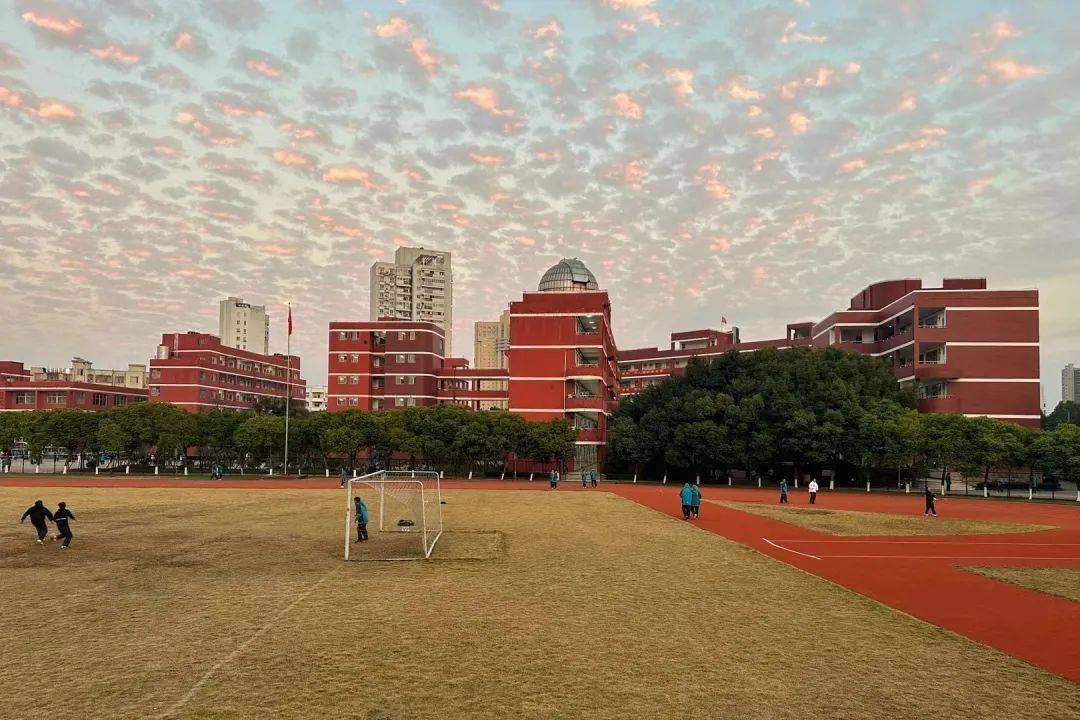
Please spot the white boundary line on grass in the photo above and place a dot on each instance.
(781, 547)
(239, 649)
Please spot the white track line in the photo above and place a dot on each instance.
(934, 542)
(940, 557)
(239, 649)
(781, 547)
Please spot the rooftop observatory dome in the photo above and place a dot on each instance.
(568, 275)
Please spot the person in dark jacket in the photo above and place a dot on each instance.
(783, 491)
(686, 498)
(592, 477)
(930, 509)
(62, 517)
(38, 514)
(361, 520)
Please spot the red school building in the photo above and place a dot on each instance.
(19, 392)
(195, 371)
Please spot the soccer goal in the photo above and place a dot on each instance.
(402, 501)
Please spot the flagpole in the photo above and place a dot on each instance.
(288, 387)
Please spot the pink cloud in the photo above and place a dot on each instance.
(907, 102)
(933, 131)
(623, 105)
(61, 26)
(759, 161)
(708, 177)
(977, 185)
(483, 159)
(720, 244)
(525, 240)
(738, 90)
(280, 250)
(116, 54)
(264, 68)
(55, 110)
(427, 60)
(1009, 70)
(484, 98)
(394, 26)
(851, 166)
(791, 35)
(682, 82)
(631, 173)
(291, 158)
(548, 30)
(548, 155)
(183, 41)
(852, 68)
(798, 123)
(760, 275)
(349, 174)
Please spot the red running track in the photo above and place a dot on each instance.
(921, 576)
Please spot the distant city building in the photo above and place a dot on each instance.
(198, 372)
(19, 391)
(418, 286)
(244, 326)
(1070, 383)
(963, 348)
(316, 398)
(84, 371)
(394, 364)
(491, 342)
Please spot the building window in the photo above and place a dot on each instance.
(120, 400)
(353, 380)
(24, 398)
(354, 401)
(342, 335)
(155, 374)
(412, 335)
(354, 358)
(100, 399)
(340, 401)
(399, 402)
(341, 357)
(155, 391)
(80, 398)
(56, 398)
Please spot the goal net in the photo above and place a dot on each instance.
(405, 502)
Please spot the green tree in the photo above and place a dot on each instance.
(261, 436)
(1066, 412)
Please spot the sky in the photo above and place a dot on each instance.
(756, 161)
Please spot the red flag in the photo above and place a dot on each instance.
(290, 319)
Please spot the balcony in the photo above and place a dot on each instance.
(585, 403)
(894, 341)
(590, 435)
(931, 370)
(584, 371)
(940, 404)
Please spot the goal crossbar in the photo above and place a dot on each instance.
(400, 486)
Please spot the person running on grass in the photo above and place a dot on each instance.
(695, 500)
(38, 514)
(813, 488)
(686, 497)
(361, 520)
(62, 517)
(783, 491)
(930, 509)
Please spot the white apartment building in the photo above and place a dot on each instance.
(418, 285)
(491, 341)
(316, 398)
(244, 326)
(1070, 383)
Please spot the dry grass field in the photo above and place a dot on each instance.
(1063, 582)
(236, 604)
(851, 522)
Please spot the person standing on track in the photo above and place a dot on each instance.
(361, 520)
(783, 491)
(38, 514)
(686, 497)
(930, 509)
(344, 476)
(813, 488)
(584, 479)
(592, 477)
(695, 501)
(62, 517)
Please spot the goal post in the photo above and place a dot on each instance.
(406, 501)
